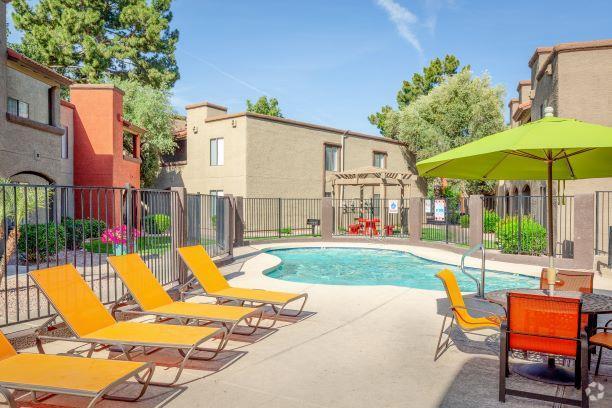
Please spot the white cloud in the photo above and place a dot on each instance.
(404, 21)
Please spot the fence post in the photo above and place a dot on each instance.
(128, 216)
(239, 221)
(230, 223)
(178, 215)
(415, 219)
(584, 230)
(476, 233)
(280, 217)
(327, 218)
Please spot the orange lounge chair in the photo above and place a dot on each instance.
(460, 313)
(153, 299)
(214, 284)
(91, 323)
(68, 375)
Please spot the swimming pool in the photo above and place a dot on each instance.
(365, 266)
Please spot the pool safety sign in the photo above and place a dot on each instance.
(439, 210)
(393, 206)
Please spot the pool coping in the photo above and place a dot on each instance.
(264, 262)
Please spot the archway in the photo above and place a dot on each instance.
(526, 197)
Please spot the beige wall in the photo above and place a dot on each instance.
(266, 158)
(27, 89)
(585, 85)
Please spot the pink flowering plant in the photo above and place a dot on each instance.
(118, 235)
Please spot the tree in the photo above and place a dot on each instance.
(151, 109)
(461, 109)
(421, 84)
(15, 203)
(265, 107)
(99, 40)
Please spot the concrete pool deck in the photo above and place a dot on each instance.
(356, 346)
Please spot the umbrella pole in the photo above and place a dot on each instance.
(551, 275)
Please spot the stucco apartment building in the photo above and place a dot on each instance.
(575, 80)
(253, 155)
(30, 122)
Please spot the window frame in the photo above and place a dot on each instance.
(65, 153)
(338, 149)
(23, 108)
(384, 156)
(219, 151)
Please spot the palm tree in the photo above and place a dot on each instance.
(17, 201)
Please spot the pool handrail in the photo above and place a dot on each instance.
(480, 286)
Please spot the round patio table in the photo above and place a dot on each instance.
(592, 303)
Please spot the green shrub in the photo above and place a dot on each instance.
(285, 231)
(464, 220)
(80, 230)
(157, 223)
(532, 234)
(491, 219)
(40, 241)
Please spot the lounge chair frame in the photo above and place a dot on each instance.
(229, 325)
(143, 375)
(193, 287)
(127, 347)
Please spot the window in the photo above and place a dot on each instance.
(217, 146)
(380, 160)
(18, 108)
(217, 193)
(65, 143)
(129, 144)
(331, 157)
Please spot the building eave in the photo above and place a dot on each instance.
(306, 125)
(572, 47)
(34, 66)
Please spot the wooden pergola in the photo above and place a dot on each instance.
(372, 177)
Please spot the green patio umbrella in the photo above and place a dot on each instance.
(548, 149)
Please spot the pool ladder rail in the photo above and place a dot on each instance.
(480, 285)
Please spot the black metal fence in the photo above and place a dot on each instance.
(49, 225)
(371, 217)
(518, 224)
(446, 220)
(206, 222)
(603, 223)
(268, 218)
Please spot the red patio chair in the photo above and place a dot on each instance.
(547, 325)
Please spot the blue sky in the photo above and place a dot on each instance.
(335, 62)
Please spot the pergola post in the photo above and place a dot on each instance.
(382, 208)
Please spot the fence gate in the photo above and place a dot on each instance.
(446, 220)
(206, 222)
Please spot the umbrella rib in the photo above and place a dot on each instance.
(569, 165)
(521, 153)
(588, 149)
(437, 167)
(486, 175)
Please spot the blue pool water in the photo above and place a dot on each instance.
(361, 266)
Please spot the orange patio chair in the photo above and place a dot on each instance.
(602, 340)
(546, 325)
(579, 281)
(460, 313)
